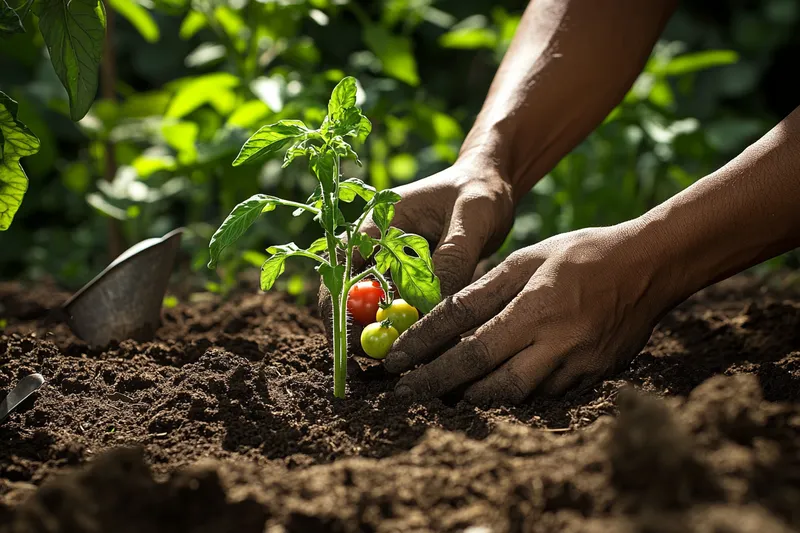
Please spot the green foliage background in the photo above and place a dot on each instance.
(196, 77)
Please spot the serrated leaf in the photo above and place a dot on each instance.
(343, 98)
(382, 205)
(74, 32)
(17, 141)
(238, 221)
(10, 22)
(412, 274)
(270, 139)
(350, 188)
(139, 17)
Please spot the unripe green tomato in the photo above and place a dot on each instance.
(377, 339)
(400, 313)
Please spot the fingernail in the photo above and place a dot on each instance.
(396, 361)
(404, 393)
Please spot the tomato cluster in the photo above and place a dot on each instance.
(384, 321)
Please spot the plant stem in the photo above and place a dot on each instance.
(339, 302)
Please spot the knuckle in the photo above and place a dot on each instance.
(476, 357)
(517, 388)
(460, 310)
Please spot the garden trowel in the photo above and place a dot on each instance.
(124, 301)
(26, 386)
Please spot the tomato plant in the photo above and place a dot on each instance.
(377, 339)
(400, 313)
(325, 148)
(363, 301)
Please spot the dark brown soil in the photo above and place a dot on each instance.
(226, 423)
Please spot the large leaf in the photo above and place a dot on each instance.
(412, 274)
(74, 31)
(16, 141)
(270, 139)
(394, 53)
(238, 221)
(9, 20)
(139, 17)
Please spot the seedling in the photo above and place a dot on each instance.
(405, 256)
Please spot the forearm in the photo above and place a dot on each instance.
(743, 214)
(570, 63)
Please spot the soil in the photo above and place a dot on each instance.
(225, 422)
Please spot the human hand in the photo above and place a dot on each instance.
(464, 212)
(561, 313)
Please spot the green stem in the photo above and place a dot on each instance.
(339, 302)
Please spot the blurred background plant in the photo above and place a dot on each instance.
(192, 79)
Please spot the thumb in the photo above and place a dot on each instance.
(458, 253)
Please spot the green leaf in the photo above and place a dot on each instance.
(344, 150)
(139, 17)
(687, 63)
(271, 270)
(333, 278)
(238, 221)
(365, 244)
(320, 245)
(343, 98)
(10, 22)
(412, 274)
(194, 22)
(269, 140)
(74, 32)
(352, 123)
(383, 208)
(394, 53)
(350, 188)
(324, 167)
(274, 266)
(298, 150)
(214, 89)
(17, 141)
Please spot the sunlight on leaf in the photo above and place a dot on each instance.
(74, 32)
(17, 141)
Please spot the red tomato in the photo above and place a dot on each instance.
(362, 301)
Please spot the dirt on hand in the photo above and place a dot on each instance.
(226, 422)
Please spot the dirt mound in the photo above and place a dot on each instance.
(226, 422)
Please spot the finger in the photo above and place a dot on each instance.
(459, 250)
(517, 378)
(476, 356)
(457, 314)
